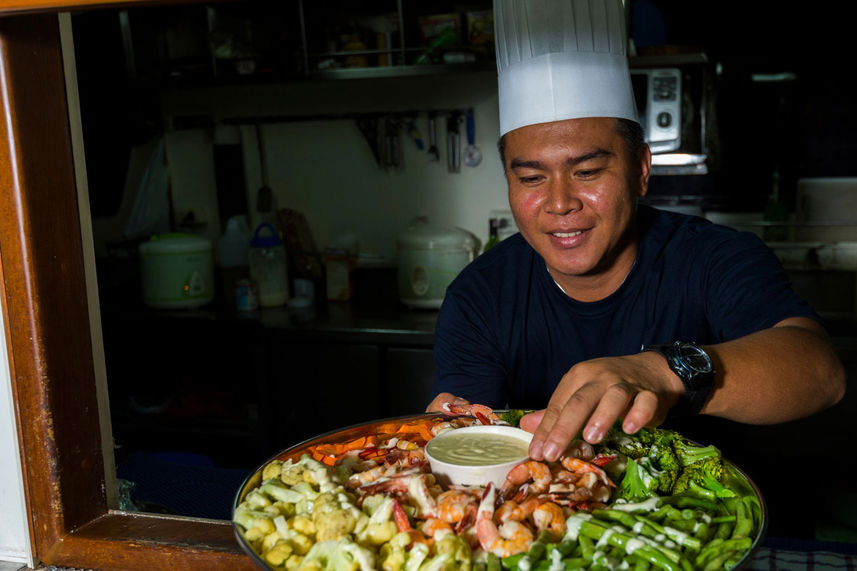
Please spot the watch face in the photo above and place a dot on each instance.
(696, 359)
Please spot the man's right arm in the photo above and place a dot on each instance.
(467, 366)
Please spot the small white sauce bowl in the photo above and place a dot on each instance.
(464, 475)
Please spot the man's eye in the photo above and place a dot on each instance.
(588, 173)
(533, 179)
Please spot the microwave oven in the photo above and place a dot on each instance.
(672, 108)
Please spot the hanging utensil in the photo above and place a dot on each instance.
(472, 154)
(435, 155)
(453, 142)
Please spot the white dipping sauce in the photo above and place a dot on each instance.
(477, 449)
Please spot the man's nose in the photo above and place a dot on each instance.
(562, 197)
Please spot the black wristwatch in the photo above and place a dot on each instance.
(696, 371)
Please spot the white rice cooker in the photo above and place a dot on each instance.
(177, 271)
(429, 258)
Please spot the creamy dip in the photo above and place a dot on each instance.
(477, 449)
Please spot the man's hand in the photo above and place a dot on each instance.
(442, 399)
(594, 394)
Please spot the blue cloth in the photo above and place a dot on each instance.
(506, 333)
(184, 484)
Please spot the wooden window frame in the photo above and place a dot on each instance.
(44, 298)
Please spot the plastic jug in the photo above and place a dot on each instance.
(268, 268)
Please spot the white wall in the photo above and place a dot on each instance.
(324, 167)
(14, 537)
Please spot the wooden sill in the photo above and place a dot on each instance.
(126, 540)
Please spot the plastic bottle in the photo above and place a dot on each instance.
(233, 259)
(268, 268)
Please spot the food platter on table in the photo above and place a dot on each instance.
(595, 532)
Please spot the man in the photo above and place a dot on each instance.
(560, 316)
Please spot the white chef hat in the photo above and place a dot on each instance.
(561, 59)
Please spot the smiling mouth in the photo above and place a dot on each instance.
(566, 234)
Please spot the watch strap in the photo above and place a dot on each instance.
(697, 386)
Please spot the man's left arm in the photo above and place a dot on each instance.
(776, 375)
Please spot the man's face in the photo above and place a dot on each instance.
(573, 191)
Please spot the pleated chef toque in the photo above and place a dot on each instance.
(561, 59)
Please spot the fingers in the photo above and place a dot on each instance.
(644, 409)
(562, 421)
(588, 401)
(444, 398)
(530, 421)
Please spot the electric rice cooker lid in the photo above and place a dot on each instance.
(425, 236)
(175, 243)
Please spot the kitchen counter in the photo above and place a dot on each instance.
(334, 321)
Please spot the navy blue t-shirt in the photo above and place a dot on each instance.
(506, 333)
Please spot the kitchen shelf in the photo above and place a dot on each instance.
(398, 71)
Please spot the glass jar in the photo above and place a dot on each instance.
(268, 268)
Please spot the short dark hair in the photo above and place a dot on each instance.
(629, 130)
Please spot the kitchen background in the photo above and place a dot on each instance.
(193, 115)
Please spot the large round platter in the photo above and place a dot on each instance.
(388, 426)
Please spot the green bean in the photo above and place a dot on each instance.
(566, 547)
(679, 537)
(682, 501)
(492, 562)
(648, 552)
(744, 521)
(512, 561)
(587, 547)
(716, 548)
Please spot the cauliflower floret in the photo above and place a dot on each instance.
(380, 527)
(281, 508)
(278, 554)
(293, 562)
(272, 469)
(303, 524)
(393, 553)
(341, 555)
(333, 524)
(293, 474)
(457, 550)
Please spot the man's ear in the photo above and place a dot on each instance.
(645, 170)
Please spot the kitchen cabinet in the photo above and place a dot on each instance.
(238, 388)
(319, 386)
(184, 381)
(407, 376)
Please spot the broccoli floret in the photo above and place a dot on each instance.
(689, 453)
(702, 478)
(630, 445)
(638, 484)
(513, 417)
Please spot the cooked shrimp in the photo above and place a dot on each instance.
(435, 528)
(528, 477)
(578, 465)
(484, 413)
(454, 506)
(358, 479)
(549, 516)
(510, 538)
(512, 510)
(410, 485)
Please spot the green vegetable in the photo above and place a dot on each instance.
(513, 417)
